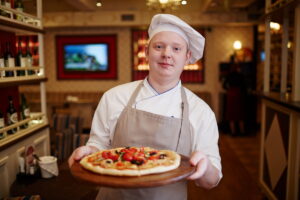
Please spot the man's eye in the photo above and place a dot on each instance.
(158, 46)
(177, 49)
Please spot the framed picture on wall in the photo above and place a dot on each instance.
(86, 57)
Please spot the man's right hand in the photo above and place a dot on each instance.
(80, 152)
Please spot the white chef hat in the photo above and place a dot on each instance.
(167, 22)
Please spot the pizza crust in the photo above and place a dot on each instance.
(171, 162)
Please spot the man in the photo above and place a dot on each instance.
(159, 112)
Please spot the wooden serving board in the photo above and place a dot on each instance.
(151, 180)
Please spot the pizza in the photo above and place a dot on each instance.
(131, 161)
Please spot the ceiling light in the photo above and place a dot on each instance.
(163, 5)
(98, 3)
(183, 2)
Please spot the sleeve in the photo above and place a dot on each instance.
(100, 134)
(207, 136)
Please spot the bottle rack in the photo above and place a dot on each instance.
(35, 122)
(28, 22)
(23, 25)
(38, 74)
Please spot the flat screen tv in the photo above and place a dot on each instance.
(86, 57)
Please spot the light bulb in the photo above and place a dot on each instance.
(237, 45)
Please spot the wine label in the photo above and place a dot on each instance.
(27, 113)
(2, 65)
(20, 9)
(20, 17)
(2, 62)
(23, 62)
(29, 62)
(1, 122)
(10, 62)
(14, 118)
(7, 4)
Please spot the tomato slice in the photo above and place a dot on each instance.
(120, 164)
(153, 158)
(132, 150)
(127, 156)
(105, 154)
(114, 157)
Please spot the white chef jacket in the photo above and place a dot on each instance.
(203, 123)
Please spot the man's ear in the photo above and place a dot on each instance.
(188, 56)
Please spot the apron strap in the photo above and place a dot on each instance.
(134, 95)
(181, 145)
(185, 109)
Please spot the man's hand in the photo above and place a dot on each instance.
(80, 152)
(206, 175)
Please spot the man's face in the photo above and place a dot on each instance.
(167, 55)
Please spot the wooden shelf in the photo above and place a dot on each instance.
(33, 23)
(36, 122)
(26, 80)
(277, 10)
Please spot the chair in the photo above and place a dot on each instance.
(66, 135)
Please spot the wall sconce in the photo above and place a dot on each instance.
(275, 26)
(237, 45)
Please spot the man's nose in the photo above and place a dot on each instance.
(167, 52)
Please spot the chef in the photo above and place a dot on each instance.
(159, 112)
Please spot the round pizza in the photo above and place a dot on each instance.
(131, 161)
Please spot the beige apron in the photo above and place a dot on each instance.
(140, 128)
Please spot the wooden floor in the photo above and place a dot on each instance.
(240, 156)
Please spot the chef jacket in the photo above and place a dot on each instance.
(203, 123)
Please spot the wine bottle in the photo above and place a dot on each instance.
(28, 59)
(2, 2)
(20, 59)
(9, 60)
(2, 65)
(25, 111)
(2, 135)
(19, 6)
(7, 3)
(12, 115)
(2, 12)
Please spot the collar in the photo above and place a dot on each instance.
(148, 85)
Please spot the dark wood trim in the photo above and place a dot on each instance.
(5, 146)
(282, 100)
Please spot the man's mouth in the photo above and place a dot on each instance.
(164, 64)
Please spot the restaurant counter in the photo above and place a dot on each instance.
(280, 146)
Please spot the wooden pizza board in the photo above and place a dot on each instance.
(152, 180)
